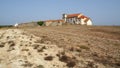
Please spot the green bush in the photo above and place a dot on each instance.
(40, 23)
(3, 26)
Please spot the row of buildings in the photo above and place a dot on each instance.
(77, 18)
(71, 19)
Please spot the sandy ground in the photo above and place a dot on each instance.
(69, 46)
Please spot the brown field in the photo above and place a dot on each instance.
(82, 45)
(101, 43)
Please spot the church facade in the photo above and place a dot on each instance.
(77, 19)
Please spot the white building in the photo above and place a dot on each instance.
(77, 19)
(16, 25)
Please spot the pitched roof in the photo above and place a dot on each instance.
(83, 17)
(72, 15)
(77, 15)
(86, 20)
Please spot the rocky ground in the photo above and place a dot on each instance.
(69, 46)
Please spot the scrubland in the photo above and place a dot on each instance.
(67, 46)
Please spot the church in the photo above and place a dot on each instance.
(77, 18)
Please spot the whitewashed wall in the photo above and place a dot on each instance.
(82, 22)
(89, 22)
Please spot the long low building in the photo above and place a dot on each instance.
(53, 22)
(77, 18)
(28, 24)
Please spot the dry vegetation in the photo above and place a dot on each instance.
(83, 46)
(100, 43)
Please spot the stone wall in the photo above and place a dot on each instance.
(53, 23)
(30, 24)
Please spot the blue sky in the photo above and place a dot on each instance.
(102, 12)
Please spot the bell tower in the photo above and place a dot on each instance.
(64, 17)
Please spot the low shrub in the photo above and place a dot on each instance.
(1, 45)
(84, 47)
(40, 23)
(3, 26)
(49, 58)
(40, 66)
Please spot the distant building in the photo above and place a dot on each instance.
(77, 19)
(66, 19)
(16, 25)
(28, 24)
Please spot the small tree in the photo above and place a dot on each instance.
(40, 23)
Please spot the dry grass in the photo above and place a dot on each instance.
(95, 42)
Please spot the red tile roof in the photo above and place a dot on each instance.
(86, 20)
(72, 15)
(83, 17)
(76, 15)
